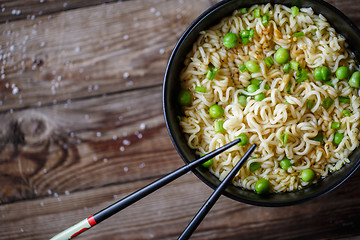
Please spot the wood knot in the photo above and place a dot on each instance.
(32, 128)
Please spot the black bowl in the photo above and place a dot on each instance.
(172, 85)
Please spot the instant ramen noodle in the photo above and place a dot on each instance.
(279, 77)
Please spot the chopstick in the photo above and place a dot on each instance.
(107, 212)
(214, 197)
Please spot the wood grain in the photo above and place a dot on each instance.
(329, 217)
(82, 126)
(106, 49)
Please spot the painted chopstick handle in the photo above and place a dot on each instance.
(76, 229)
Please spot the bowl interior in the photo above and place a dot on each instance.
(171, 109)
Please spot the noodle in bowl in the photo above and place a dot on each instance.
(287, 121)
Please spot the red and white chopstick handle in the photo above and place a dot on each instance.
(75, 230)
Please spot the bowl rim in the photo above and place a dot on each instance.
(180, 41)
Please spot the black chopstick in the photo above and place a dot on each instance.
(134, 197)
(214, 197)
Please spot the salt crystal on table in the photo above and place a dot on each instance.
(126, 169)
(45, 170)
(152, 10)
(157, 14)
(65, 4)
(126, 142)
(105, 160)
(129, 83)
(142, 126)
(126, 37)
(115, 137)
(122, 148)
(41, 1)
(77, 49)
(67, 193)
(142, 165)
(98, 134)
(49, 192)
(42, 44)
(12, 48)
(162, 51)
(21, 230)
(56, 194)
(126, 75)
(42, 204)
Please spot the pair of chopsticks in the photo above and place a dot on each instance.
(132, 198)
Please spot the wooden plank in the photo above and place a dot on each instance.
(16, 9)
(165, 214)
(84, 144)
(89, 52)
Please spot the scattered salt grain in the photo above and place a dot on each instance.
(86, 116)
(126, 75)
(77, 49)
(122, 148)
(126, 142)
(98, 134)
(56, 195)
(126, 169)
(21, 230)
(42, 204)
(126, 37)
(42, 44)
(157, 14)
(65, 5)
(67, 193)
(142, 165)
(41, 1)
(162, 51)
(178, 16)
(129, 83)
(105, 160)
(45, 170)
(95, 158)
(49, 192)
(12, 48)
(142, 126)
(114, 137)
(152, 10)
(15, 90)
(115, 196)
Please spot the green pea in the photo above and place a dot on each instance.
(230, 40)
(244, 139)
(354, 80)
(252, 66)
(285, 163)
(338, 137)
(184, 98)
(242, 100)
(282, 55)
(322, 73)
(255, 81)
(252, 88)
(254, 166)
(208, 163)
(262, 186)
(216, 111)
(342, 72)
(259, 97)
(307, 175)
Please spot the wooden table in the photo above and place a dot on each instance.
(82, 126)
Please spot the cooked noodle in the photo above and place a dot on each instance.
(280, 112)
